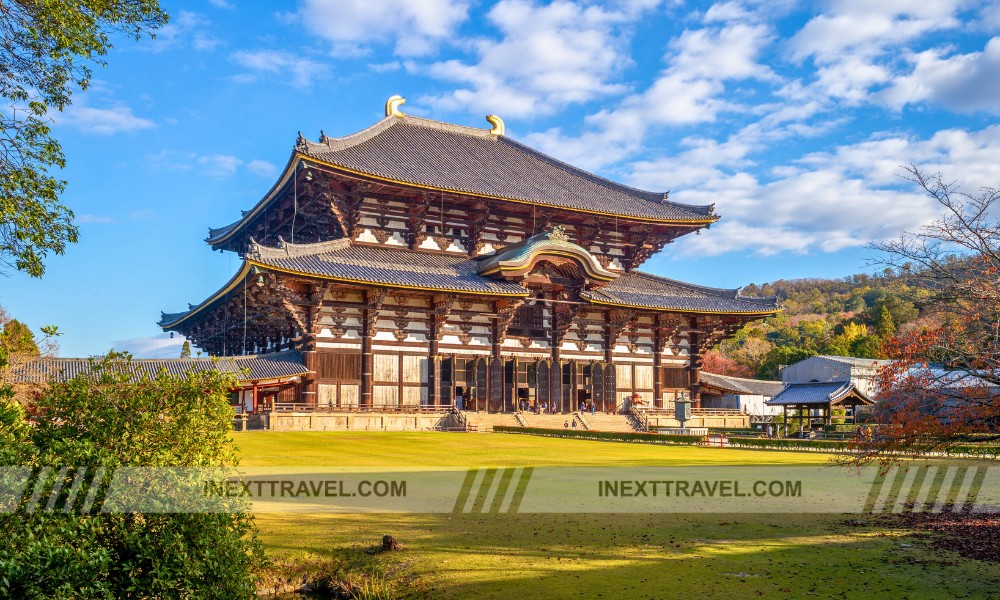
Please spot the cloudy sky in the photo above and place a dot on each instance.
(793, 118)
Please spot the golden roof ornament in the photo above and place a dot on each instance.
(392, 106)
(497, 123)
(558, 233)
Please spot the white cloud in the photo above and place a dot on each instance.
(824, 201)
(352, 26)
(303, 71)
(855, 43)
(222, 4)
(103, 121)
(548, 56)
(689, 91)
(262, 168)
(214, 165)
(962, 82)
(186, 29)
(219, 165)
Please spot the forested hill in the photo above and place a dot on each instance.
(846, 317)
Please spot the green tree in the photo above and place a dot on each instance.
(110, 418)
(186, 349)
(867, 346)
(18, 344)
(884, 325)
(47, 48)
(780, 356)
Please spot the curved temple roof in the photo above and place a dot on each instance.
(515, 258)
(836, 392)
(430, 154)
(343, 262)
(280, 365)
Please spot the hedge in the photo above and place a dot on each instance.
(788, 444)
(614, 436)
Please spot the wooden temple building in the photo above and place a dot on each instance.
(423, 264)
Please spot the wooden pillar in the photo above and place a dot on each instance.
(433, 362)
(310, 386)
(657, 364)
(555, 372)
(609, 344)
(368, 317)
(253, 402)
(694, 363)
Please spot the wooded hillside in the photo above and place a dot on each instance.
(847, 317)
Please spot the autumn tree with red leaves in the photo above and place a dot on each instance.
(942, 393)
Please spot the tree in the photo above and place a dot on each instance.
(110, 418)
(186, 349)
(884, 325)
(717, 362)
(18, 344)
(781, 356)
(47, 48)
(941, 391)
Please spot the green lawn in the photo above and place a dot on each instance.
(598, 555)
(429, 449)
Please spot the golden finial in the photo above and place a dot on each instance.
(392, 106)
(497, 124)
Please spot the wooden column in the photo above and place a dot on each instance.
(657, 363)
(310, 385)
(694, 363)
(433, 362)
(369, 318)
(609, 344)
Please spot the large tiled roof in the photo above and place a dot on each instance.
(741, 385)
(342, 261)
(441, 156)
(797, 394)
(245, 368)
(466, 159)
(642, 290)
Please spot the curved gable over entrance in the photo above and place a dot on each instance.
(517, 261)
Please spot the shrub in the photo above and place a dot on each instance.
(111, 418)
(614, 436)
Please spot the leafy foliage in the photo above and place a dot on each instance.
(942, 390)
(853, 316)
(110, 418)
(46, 49)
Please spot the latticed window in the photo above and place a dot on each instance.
(529, 317)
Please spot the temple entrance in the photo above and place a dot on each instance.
(508, 385)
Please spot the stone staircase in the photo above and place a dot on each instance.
(605, 422)
(484, 422)
(557, 421)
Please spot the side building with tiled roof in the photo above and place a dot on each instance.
(423, 264)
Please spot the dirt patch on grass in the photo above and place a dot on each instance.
(975, 536)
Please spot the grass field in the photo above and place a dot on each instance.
(597, 555)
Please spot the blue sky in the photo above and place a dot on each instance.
(794, 119)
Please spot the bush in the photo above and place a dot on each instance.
(614, 436)
(111, 418)
(789, 444)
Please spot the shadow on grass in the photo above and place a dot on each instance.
(638, 556)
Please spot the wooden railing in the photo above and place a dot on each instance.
(695, 412)
(411, 409)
